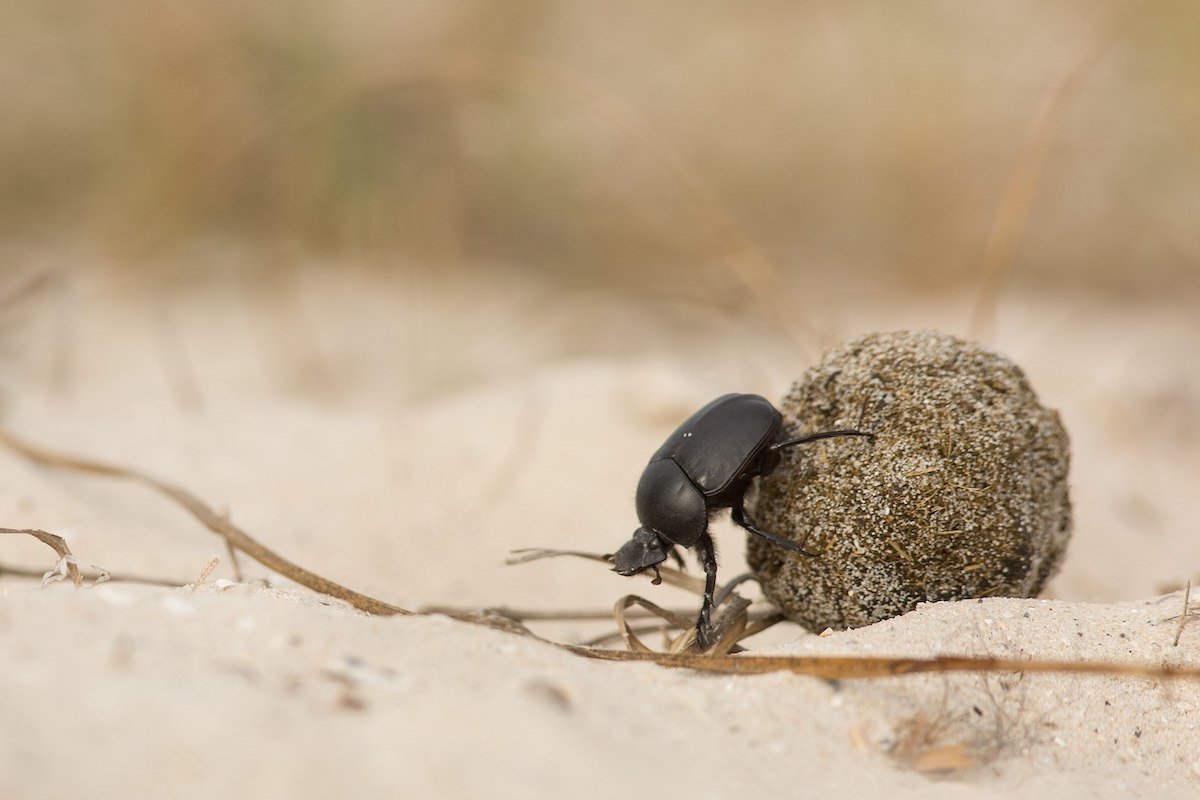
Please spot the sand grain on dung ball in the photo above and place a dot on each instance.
(962, 493)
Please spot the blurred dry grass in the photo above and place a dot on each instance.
(608, 143)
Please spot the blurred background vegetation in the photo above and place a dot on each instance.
(642, 145)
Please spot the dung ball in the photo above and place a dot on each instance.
(961, 493)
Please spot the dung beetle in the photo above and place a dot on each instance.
(707, 465)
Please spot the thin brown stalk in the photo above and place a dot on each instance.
(1187, 598)
(211, 520)
(669, 575)
(857, 667)
(56, 543)
(1008, 224)
(828, 667)
(632, 642)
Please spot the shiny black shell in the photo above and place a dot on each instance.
(706, 464)
(723, 441)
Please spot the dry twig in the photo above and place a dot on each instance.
(1187, 598)
(211, 520)
(1008, 225)
(828, 667)
(66, 560)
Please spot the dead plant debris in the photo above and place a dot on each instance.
(734, 624)
(67, 565)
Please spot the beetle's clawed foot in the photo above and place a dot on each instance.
(706, 637)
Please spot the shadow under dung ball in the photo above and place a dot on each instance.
(962, 493)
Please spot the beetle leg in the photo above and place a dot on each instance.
(740, 517)
(708, 557)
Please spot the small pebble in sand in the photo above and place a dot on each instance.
(961, 494)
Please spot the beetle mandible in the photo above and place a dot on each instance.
(707, 465)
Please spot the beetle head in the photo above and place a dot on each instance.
(642, 552)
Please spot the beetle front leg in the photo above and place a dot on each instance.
(740, 517)
(708, 558)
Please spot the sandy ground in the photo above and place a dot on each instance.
(402, 438)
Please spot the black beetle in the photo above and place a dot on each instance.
(704, 466)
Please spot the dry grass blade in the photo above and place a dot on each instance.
(542, 615)
(731, 627)
(757, 626)
(211, 520)
(204, 573)
(746, 261)
(1187, 598)
(616, 636)
(632, 642)
(527, 554)
(115, 577)
(828, 667)
(1008, 225)
(862, 667)
(59, 545)
(669, 575)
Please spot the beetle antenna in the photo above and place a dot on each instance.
(812, 437)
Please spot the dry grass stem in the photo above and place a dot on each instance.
(669, 575)
(542, 615)
(67, 565)
(827, 667)
(210, 519)
(229, 548)
(1187, 597)
(204, 573)
(863, 667)
(1011, 216)
(632, 642)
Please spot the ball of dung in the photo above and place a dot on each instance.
(961, 493)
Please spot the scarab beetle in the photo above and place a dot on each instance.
(707, 465)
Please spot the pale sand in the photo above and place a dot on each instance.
(404, 441)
